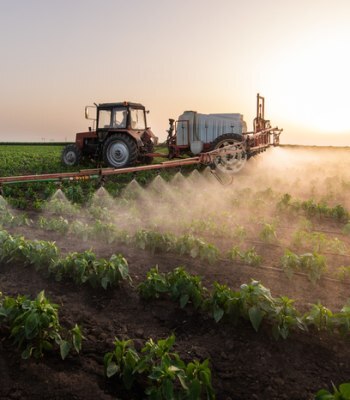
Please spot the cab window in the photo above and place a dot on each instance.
(104, 119)
(119, 117)
(137, 119)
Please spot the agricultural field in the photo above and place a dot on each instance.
(174, 285)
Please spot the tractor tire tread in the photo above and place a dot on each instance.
(131, 144)
(71, 147)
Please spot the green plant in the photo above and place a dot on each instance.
(337, 246)
(154, 285)
(268, 233)
(285, 317)
(35, 328)
(343, 273)
(61, 207)
(178, 284)
(318, 241)
(313, 264)
(39, 253)
(109, 272)
(346, 228)
(185, 287)
(343, 393)
(223, 301)
(154, 241)
(81, 230)
(85, 267)
(99, 213)
(320, 317)
(160, 370)
(311, 208)
(341, 320)
(315, 241)
(339, 213)
(240, 233)
(7, 219)
(256, 302)
(249, 256)
(59, 224)
(122, 361)
(188, 244)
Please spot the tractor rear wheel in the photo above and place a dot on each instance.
(120, 150)
(71, 155)
(230, 163)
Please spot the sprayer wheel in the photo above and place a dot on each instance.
(229, 163)
(120, 150)
(71, 155)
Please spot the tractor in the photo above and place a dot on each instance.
(121, 137)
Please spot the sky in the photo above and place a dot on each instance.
(209, 56)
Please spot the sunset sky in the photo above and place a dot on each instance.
(210, 56)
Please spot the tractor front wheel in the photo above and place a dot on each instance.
(120, 150)
(71, 155)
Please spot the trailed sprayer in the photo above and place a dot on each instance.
(121, 141)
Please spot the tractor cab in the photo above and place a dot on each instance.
(110, 117)
(124, 115)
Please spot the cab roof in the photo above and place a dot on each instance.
(121, 104)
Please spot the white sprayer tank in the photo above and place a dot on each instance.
(194, 129)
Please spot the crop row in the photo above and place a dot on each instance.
(253, 302)
(267, 233)
(78, 267)
(313, 264)
(303, 239)
(84, 268)
(312, 209)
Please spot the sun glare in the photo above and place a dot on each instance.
(316, 85)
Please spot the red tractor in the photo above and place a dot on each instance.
(121, 137)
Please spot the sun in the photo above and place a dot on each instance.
(312, 83)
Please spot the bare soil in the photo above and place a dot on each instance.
(245, 364)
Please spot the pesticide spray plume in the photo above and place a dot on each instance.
(3, 202)
(59, 195)
(197, 204)
(170, 206)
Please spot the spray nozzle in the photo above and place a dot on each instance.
(102, 181)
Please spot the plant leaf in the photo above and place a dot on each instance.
(112, 369)
(64, 349)
(255, 316)
(218, 313)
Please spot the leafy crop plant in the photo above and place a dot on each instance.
(249, 256)
(34, 326)
(159, 370)
(178, 284)
(313, 264)
(343, 393)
